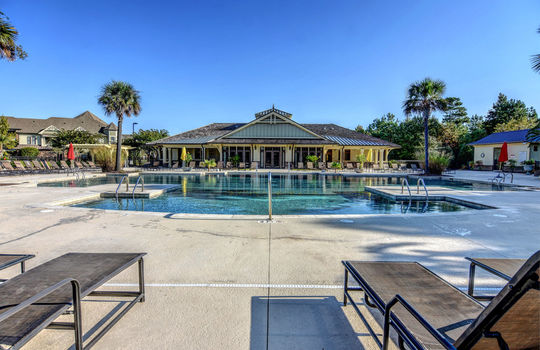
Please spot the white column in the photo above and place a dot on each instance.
(381, 157)
(164, 155)
(169, 156)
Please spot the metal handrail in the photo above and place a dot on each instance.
(425, 188)
(405, 182)
(270, 196)
(136, 184)
(120, 184)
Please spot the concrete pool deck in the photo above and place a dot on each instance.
(208, 280)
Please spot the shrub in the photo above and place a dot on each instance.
(336, 166)
(189, 158)
(438, 164)
(210, 163)
(106, 157)
(529, 162)
(29, 152)
(312, 158)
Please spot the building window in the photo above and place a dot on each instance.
(348, 154)
(329, 155)
(29, 140)
(535, 148)
(113, 139)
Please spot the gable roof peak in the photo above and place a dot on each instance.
(273, 110)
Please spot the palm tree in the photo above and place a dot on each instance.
(534, 133)
(9, 50)
(425, 97)
(120, 98)
(536, 60)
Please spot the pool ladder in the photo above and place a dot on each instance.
(404, 183)
(120, 184)
(140, 178)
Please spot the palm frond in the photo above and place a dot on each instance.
(535, 60)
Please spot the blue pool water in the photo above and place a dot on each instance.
(247, 194)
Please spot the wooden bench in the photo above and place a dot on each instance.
(33, 300)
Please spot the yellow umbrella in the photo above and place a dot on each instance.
(183, 156)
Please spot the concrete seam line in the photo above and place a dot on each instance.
(253, 285)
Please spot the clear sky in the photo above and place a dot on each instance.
(197, 62)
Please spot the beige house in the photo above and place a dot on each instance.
(274, 140)
(488, 149)
(35, 132)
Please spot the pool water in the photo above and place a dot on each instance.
(291, 195)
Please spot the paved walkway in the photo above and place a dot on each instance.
(240, 283)
(519, 179)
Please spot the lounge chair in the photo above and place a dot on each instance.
(201, 165)
(376, 168)
(386, 168)
(300, 165)
(92, 165)
(175, 165)
(21, 168)
(192, 164)
(220, 165)
(38, 166)
(6, 164)
(322, 165)
(254, 165)
(241, 165)
(309, 165)
(503, 268)
(53, 165)
(350, 166)
(428, 313)
(8, 260)
(64, 165)
(395, 167)
(33, 300)
(228, 165)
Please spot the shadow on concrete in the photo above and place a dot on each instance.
(301, 322)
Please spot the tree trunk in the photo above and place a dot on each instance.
(426, 141)
(119, 145)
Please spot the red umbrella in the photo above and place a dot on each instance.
(71, 153)
(503, 157)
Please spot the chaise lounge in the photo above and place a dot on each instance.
(33, 300)
(429, 313)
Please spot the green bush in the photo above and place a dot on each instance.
(438, 164)
(106, 157)
(312, 158)
(29, 152)
(336, 166)
(210, 163)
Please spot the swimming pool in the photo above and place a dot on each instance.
(248, 194)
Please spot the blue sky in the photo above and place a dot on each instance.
(198, 62)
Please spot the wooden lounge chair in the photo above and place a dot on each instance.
(300, 165)
(21, 168)
(395, 167)
(376, 168)
(220, 165)
(228, 165)
(503, 268)
(241, 165)
(428, 313)
(6, 164)
(8, 260)
(322, 165)
(33, 300)
(37, 165)
(53, 165)
(64, 165)
(350, 166)
(254, 165)
(309, 165)
(175, 165)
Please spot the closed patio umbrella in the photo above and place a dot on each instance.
(71, 153)
(183, 157)
(503, 157)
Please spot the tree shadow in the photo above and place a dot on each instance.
(301, 322)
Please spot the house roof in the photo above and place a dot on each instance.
(332, 134)
(505, 136)
(86, 120)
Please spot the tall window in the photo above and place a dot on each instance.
(347, 154)
(29, 140)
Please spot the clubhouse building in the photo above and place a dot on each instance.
(273, 140)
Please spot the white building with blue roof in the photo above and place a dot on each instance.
(520, 149)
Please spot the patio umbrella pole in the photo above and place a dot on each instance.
(269, 196)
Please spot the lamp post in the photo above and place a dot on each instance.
(133, 132)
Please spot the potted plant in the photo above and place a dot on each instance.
(235, 160)
(210, 163)
(512, 164)
(188, 160)
(312, 159)
(336, 166)
(361, 159)
(528, 165)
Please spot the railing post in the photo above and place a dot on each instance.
(270, 196)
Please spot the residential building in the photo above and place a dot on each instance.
(36, 132)
(488, 149)
(273, 140)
